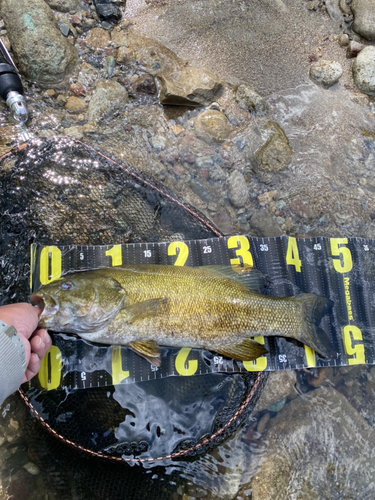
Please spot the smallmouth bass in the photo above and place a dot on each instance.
(210, 307)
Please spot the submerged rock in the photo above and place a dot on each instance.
(364, 18)
(276, 153)
(247, 98)
(107, 11)
(280, 385)
(238, 192)
(109, 96)
(316, 447)
(40, 50)
(212, 125)
(63, 5)
(189, 86)
(326, 73)
(263, 223)
(364, 70)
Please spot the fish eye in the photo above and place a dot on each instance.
(67, 285)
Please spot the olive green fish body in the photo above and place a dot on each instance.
(176, 306)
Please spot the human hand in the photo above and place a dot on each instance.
(24, 317)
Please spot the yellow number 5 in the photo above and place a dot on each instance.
(342, 258)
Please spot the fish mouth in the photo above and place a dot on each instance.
(46, 303)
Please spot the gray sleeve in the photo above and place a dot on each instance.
(11, 367)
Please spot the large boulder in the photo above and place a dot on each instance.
(364, 18)
(40, 50)
(364, 70)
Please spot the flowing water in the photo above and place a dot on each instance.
(314, 437)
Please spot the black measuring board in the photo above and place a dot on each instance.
(341, 269)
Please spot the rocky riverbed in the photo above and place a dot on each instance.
(261, 113)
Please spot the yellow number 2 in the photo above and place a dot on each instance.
(180, 249)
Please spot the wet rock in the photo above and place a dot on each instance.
(75, 131)
(125, 55)
(109, 96)
(98, 38)
(199, 190)
(276, 153)
(263, 223)
(345, 6)
(364, 18)
(87, 76)
(144, 84)
(40, 50)
(325, 73)
(354, 48)
(238, 192)
(247, 98)
(107, 11)
(76, 105)
(280, 385)
(334, 10)
(344, 40)
(327, 463)
(212, 125)
(223, 222)
(189, 86)
(62, 5)
(364, 70)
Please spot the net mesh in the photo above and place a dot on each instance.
(62, 191)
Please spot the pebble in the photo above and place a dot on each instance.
(276, 153)
(325, 73)
(145, 84)
(204, 162)
(125, 55)
(212, 125)
(262, 424)
(107, 11)
(354, 48)
(344, 40)
(77, 89)
(240, 142)
(238, 192)
(247, 98)
(266, 198)
(63, 5)
(364, 70)
(32, 468)
(263, 223)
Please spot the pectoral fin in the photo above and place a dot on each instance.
(244, 351)
(147, 349)
(147, 309)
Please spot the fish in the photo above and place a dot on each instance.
(146, 306)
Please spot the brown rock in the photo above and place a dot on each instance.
(77, 89)
(125, 55)
(75, 105)
(189, 86)
(212, 125)
(145, 84)
(98, 38)
(276, 153)
(354, 48)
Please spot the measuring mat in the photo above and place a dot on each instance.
(341, 269)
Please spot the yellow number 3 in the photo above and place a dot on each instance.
(242, 246)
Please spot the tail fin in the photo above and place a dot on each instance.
(313, 309)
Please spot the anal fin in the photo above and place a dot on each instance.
(246, 350)
(147, 349)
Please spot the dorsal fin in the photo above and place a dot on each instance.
(252, 278)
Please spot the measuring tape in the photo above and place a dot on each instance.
(341, 269)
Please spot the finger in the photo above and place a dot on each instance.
(40, 343)
(32, 368)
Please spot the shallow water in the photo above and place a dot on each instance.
(319, 444)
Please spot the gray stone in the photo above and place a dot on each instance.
(364, 18)
(247, 98)
(353, 49)
(217, 173)
(40, 50)
(325, 73)
(199, 190)
(275, 154)
(204, 162)
(238, 192)
(325, 463)
(109, 96)
(364, 70)
(212, 125)
(280, 385)
(334, 10)
(189, 86)
(344, 40)
(263, 223)
(62, 5)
